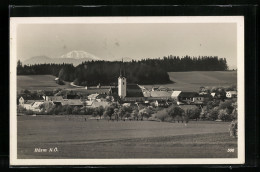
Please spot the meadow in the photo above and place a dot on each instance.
(184, 81)
(38, 82)
(192, 81)
(76, 136)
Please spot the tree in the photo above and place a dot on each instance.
(223, 115)
(213, 113)
(144, 113)
(227, 105)
(61, 73)
(109, 111)
(193, 113)
(99, 111)
(75, 110)
(175, 111)
(162, 115)
(134, 114)
(233, 128)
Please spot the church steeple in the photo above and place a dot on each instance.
(122, 83)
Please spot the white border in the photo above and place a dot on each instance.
(14, 22)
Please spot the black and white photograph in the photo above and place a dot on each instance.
(126, 90)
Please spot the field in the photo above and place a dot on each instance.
(38, 82)
(184, 81)
(75, 137)
(192, 81)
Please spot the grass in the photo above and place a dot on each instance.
(185, 81)
(38, 82)
(76, 138)
(192, 81)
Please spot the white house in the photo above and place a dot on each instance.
(231, 94)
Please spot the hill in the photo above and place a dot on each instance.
(38, 82)
(192, 81)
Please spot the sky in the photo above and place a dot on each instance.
(137, 41)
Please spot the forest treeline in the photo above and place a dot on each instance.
(146, 71)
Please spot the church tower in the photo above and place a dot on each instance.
(121, 85)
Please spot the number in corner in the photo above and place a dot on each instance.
(231, 150)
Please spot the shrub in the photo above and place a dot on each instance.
(161, 115)
(223, 115)
(233, 129)
(29, 112)
(213, 114)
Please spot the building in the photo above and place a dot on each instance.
(29, 99)
(231, 94)
(161, 103)
(122, 86)
(53, 98)
(175, 95)
(188, 97)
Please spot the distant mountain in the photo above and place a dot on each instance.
(74, 57)
(80, 55)
(37, 60)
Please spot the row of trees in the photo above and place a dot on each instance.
(187, 63)
(42, 69)
(225, 111)
(146, 71)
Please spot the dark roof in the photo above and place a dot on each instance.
(31, 97)
(70, 96)
(93, 90)
(161, 101)
(189, 94)
(132, 90)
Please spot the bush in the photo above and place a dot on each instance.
(233, 128)
(29, 112)
(21, 109)
(213, 114)
(162, 115)
(223, 115)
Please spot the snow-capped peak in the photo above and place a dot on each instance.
(80, 55)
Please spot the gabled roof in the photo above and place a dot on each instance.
(37, 103)
(72, 102)
(213, 94)
(31, 97)
(176, 93)
(161, 93)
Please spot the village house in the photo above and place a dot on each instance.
(231, 94)
(161, 103)
(188, 97)
(30, 102)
